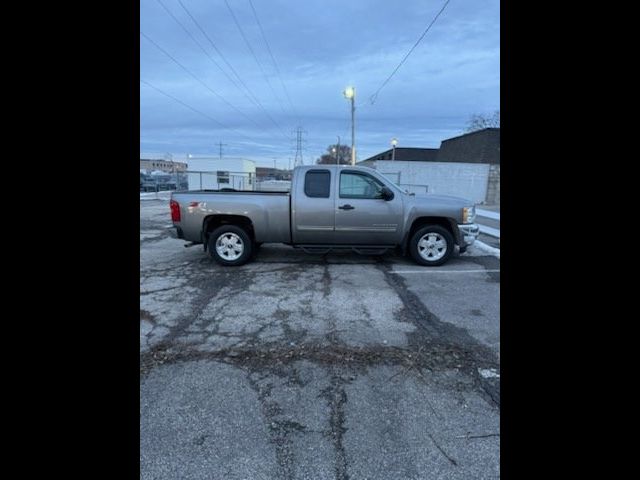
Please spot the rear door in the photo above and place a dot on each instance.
(362, 216)
(313, 207)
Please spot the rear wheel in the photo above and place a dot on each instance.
(230, 245)
(431, 245)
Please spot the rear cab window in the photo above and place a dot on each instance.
(317, 183)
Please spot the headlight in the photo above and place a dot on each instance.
(468, 214)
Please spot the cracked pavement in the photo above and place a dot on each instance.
(299, 366)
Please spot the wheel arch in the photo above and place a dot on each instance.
(419, 222)
(211, 222)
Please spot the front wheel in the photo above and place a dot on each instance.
(230, 245)
(431, 245)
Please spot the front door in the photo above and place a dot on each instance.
(362, 216)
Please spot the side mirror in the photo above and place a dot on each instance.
(386, 194)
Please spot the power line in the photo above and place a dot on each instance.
(275, 64)
(186, 30)
(374, 97)
(233, 70)
(235, 84)
(246, 41)
(193, 109)
(199, 80)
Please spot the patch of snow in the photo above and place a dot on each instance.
(164, 195)
(481, 249)
(487, 214)
(494, 232)
(488, 373)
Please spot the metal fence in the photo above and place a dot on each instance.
(219, 180)
(208, 180)
(243, 181)
(163, 182)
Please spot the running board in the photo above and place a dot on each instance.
(359, 249)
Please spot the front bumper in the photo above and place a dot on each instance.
(468, 233)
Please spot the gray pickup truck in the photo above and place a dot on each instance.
(329, 207)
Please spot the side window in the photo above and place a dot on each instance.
(317, 183)
(358, 185)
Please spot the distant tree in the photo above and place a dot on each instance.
(479, 121)
(342, 155)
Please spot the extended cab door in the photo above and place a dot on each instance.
(362, 216)
(313, 207)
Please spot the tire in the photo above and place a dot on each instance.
(223, 242)
(431, 245)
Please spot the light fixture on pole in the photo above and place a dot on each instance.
(394, 142)
(350, 94)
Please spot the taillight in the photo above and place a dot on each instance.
(175, 211)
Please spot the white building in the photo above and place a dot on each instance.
(214, 173)
(467, 180)
(465, 166)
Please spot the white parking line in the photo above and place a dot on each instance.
(431, 270)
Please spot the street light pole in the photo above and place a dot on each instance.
(394, 142)
(338, 155)
(353, 130)
(350, 93)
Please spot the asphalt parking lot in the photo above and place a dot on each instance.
(302, 366)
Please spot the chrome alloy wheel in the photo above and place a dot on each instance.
(432, 247)
(229, 246)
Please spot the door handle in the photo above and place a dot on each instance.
(346, 207)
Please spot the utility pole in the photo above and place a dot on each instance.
(221, 145)
(298, 160)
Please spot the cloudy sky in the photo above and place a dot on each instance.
(202, 83)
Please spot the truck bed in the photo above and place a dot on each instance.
(268, 211)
